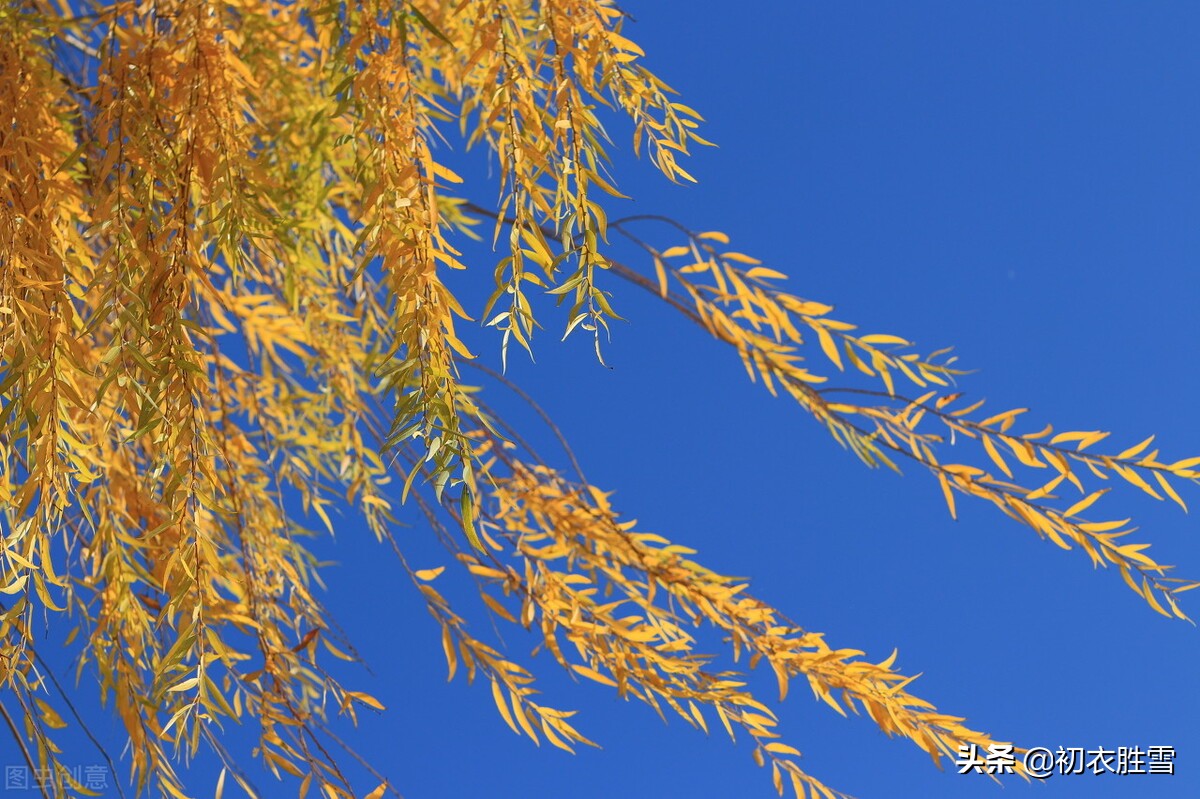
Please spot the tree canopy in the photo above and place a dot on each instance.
(228, 233)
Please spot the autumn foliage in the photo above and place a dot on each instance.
(223, 242)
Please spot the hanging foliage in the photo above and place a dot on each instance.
(224, 240)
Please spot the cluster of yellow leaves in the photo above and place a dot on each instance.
(221, 231)
(559, 561)
(143, 469)
(738, 302)
(529, 79)
(511, 684)
(223, 237)
(895, 427)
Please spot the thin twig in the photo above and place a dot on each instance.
(537, 409)
(361, 761)
(21, 745)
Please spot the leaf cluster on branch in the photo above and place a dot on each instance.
(224, 235)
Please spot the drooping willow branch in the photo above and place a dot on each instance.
(740, 305)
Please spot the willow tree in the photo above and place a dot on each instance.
(224, 237)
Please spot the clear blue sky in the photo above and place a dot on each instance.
(1019, 180)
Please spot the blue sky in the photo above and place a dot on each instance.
(1019, 180)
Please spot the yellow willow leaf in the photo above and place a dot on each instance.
(466, 509)
(1045, 490)
(854, 359)
(828, 699)
(1058, 461)
(714, 235)
(1135, 552)
(49, 715)
(1129, 578)
(282, 762)
(1085, 503)
(502, 706)
(429, 574)
(994, 454)
(1148, 593)
(676, 251)
(522, 717)
(443, 172)
(1045, 431)
(802, 793)
(721, 714)
(1129, 453)
(1024, 452)
(486, 571)
(948, 493)
(592, 674)
(16, 585)
(1053, 535)
(218, 315)
(781, 748)
(186, 685)
(1062, 438)
(366, 699)
(883, 338)
(448, 649)
(827, 344)
(899, 687)
(319, 506)
(378, 793)
(760, 272)
(660, 271)
(1091, 439)
(608, 188)
(740, 258)
(1169, 489)
(175, 790)
(961, 412)
(781, 676)
(499, 609)
(1005, 417)
(1131, 476)
(909, 373)
(1103, 527)
(921, 400)
(633, 47)
(759, 721)
(807, 377)
(698, 716)
(548, 730)
(946, 400)
(803, 307)
(459, 347)
(879, 361)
